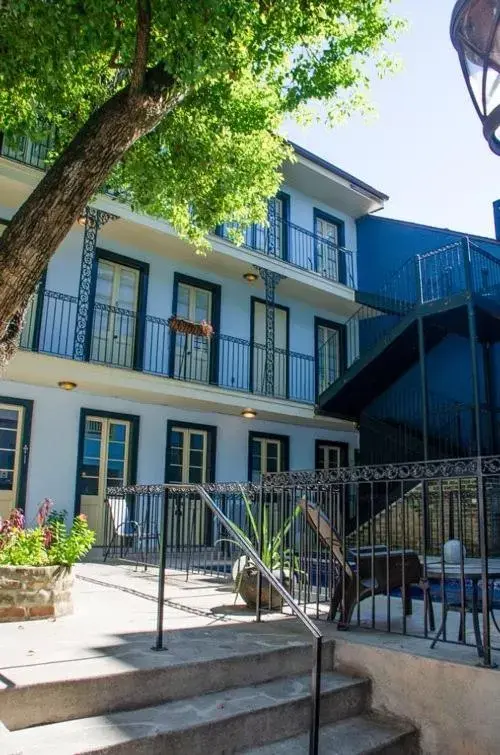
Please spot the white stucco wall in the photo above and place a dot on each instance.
(54, 440)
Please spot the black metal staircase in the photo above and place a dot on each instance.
(452, 290)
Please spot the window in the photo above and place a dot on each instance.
(259, 355)
(190, 453)
(267, 453)
(272, 239)
(329, 236)
(329, 353)
(119, 309)
(331, 455)
(115, 314)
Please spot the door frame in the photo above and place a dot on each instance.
(22, 472)
(134, 421)
(327, 217)
(340, 328)
(210, 430)
(253, 301)
(341, 445)
(285, 439)
(142, 296)
(215, 289)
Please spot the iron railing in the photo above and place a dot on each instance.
(368, 544)
(182, 521)
(25, 150)
(298, 247)
(120, 338)
(458, 268)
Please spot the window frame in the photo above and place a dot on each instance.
(285, 451)
(341, 329)
(329, 218)
(22, 481)
(216, 291)
(211, 453)
(341, 445)
(133, 420)
(142, 296)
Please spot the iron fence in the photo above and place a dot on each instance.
(394, 547)
(120, 338)
(298, 247)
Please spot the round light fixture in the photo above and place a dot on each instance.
(249, 413)
(475, 34)
(250, 277)
(82, 220)
(67, 385)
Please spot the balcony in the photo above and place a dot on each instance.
(282, 240)
(298, 247)
(120, 338)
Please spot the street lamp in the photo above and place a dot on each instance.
(475, 33)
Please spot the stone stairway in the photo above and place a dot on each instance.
(256, 702)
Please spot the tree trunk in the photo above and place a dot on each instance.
(43, 221)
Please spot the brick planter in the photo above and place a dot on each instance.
(35, 592)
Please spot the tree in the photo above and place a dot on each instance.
(178, 103)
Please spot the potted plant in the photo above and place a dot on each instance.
(190, 328)
(36, 576)
(278, 558)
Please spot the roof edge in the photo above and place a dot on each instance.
(322, 163)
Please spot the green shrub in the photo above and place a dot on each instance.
(47, 544)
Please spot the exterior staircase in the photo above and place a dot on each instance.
(256, 702)
(382, 337)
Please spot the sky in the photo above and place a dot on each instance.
(425, 149)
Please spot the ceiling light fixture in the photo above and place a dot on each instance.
(249, 413)
(67, 385)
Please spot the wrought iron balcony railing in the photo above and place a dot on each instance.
(298, 247)
(287, 241)
(121, 338)
(458, 268)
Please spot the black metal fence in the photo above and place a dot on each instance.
(406, 548)
(118, 337)
(298, 247)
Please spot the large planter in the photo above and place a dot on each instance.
(247, 588)
(35, 592)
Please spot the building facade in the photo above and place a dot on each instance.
(107, 389)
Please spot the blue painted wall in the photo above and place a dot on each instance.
(384, 245)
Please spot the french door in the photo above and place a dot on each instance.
(115, 314)
(104, 463)
(327, 243)
(13, 455)
(188, 461)
(280, 357)
(192, 358)
(328, 351)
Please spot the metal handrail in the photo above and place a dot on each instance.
(263, 570)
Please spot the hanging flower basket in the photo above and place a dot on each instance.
(189, 328)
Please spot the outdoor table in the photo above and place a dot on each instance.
(469, 570)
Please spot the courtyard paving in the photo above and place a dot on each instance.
(113, 628)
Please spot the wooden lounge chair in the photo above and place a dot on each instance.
(377, 573)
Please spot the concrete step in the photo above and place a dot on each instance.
(219, 723)
(361, 735)
(164, 677)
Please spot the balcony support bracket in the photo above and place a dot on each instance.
(94, 220)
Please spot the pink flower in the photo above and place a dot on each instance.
(43, 511)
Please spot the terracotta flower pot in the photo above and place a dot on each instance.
(180, 325)
(35, 592)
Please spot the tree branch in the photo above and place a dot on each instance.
(141, 46)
